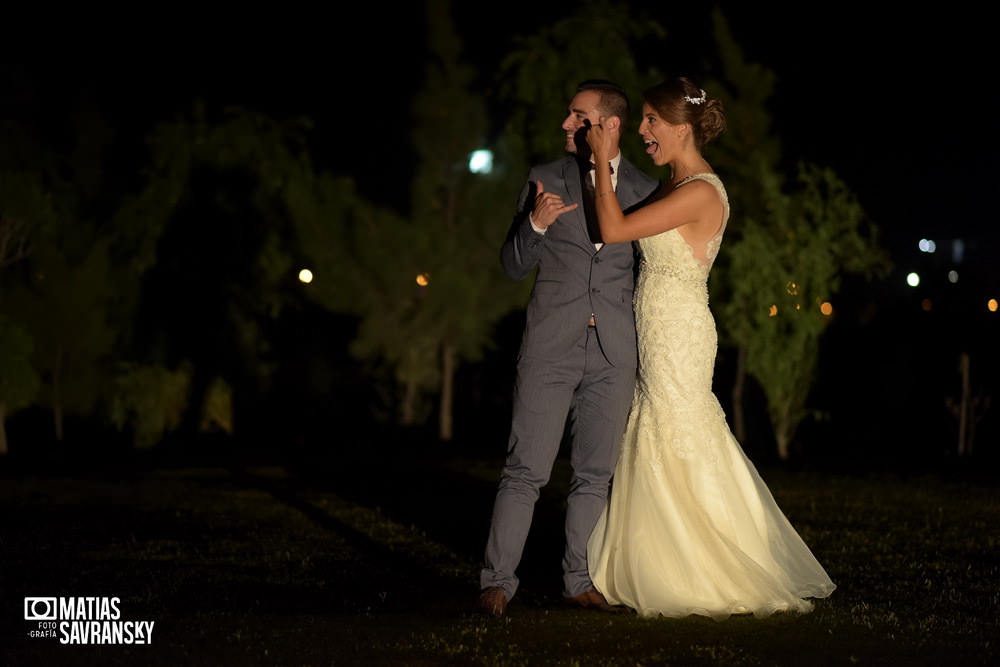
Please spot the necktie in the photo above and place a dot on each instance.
(589, 208)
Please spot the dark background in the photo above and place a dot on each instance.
(899, 103)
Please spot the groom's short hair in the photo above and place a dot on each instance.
(614, 101)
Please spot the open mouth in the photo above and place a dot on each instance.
(651, 146)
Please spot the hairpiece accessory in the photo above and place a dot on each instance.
(696, 100)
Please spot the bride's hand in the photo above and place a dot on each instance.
(602, 140)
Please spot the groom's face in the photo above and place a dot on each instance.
(582, 108)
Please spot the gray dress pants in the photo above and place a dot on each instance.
(596, 396)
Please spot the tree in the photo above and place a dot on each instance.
(14, 240)
(19, 381)
(64, 303)
(786, 255)
(209, 240)
(368, 261)
(455, 293)
(206, 224)
(742, 154)
(455, 211)
(150, 400)
(425, 284)
(785, 271)
(539, 76)
(58, 293)
(21, 198)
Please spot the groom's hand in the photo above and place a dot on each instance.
(548, 207)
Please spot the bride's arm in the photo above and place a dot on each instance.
(686, 205)
(683, 206)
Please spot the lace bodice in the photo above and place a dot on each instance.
(670, 254)
(676, 331)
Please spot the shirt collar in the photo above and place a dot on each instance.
(615, 161)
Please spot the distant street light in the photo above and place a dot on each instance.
(481, 161)
(305, 276)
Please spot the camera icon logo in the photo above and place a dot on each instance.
(40, 609)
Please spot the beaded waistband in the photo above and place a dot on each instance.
(672, 272)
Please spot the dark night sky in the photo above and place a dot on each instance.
(898, 103)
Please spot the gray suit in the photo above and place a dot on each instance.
(566, 368)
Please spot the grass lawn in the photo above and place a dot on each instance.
(374, 560)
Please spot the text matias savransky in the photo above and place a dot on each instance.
(85, 620)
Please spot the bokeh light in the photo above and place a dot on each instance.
(957, 251)
(481, 162)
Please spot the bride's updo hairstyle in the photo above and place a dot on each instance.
(679, 101)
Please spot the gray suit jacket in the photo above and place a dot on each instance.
(574, 279)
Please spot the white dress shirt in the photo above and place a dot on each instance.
(614, 184)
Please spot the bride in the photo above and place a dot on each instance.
(690, 527)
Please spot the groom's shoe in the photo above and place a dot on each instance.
(593, 600)
(493, 601)
(590, 599)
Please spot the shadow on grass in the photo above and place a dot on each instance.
(370, 554)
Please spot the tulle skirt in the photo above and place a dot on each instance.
(691, 528)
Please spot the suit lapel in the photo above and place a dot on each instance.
(571, 176)
(627, 196)
(626, 184)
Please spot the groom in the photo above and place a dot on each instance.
(578, 352)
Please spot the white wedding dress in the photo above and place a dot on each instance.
(690, 527)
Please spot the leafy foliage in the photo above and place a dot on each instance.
(787, 249)
(784, 269)
(540, 75)
(64, 304)
(191, 258)
(150, 401)
(425, 284)
(19, 382)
